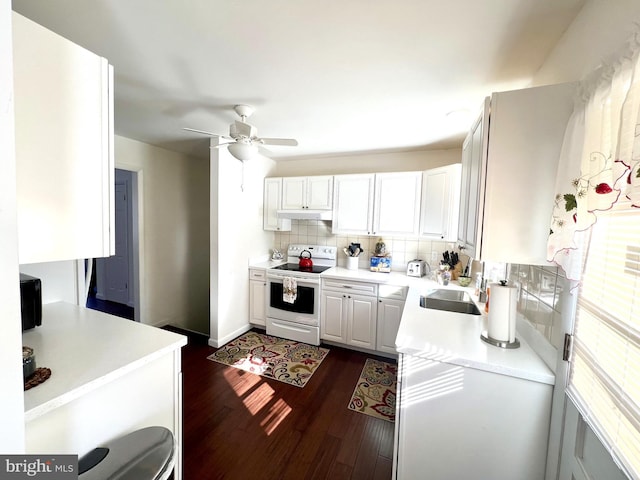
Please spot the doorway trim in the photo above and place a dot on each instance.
(137, 201)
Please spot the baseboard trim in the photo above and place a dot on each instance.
(198, 337)
(219, 342)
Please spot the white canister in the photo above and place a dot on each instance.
(501, 320)
(352, 263)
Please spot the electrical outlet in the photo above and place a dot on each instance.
(434, 256)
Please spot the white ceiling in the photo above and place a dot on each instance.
(340, 76)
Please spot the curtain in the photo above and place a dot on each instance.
(600, 158)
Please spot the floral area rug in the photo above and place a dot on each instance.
(375, 393)
(272, 357)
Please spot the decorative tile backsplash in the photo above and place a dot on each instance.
(540, 297)
(541, 287)
(402, 250)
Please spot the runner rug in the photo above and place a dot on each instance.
(272, 357)
(375, 393)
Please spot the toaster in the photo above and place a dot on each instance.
(416, 268)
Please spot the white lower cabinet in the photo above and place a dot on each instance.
(457, 422)
(348, 313)
(390, 307)
(257, 297)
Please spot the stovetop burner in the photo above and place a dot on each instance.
(294, 267)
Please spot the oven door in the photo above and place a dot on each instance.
(305, 308)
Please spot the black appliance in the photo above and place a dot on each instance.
(30, 301)
(294, 267)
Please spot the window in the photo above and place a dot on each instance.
(605, 371)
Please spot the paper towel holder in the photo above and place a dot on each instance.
(484, 336)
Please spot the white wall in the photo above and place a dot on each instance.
(367, 162)
(174, 234)
(12, 398)
(58, 280)
(599, 30)
(236, 236)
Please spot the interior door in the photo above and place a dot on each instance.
(117, 267)
(583, 455)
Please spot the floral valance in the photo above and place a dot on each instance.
(600, 157)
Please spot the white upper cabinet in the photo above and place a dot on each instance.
(472, 186)
(314, 193)
(64, 147)
(396, 209)
(440, 202)
(353, 203)
(511, 173)
(272, 202)
(377, 204)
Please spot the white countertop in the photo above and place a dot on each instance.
(86, 349)
(363, 275)
(266, 264)
(446, 336)
(455, 338)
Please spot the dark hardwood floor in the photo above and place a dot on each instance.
(238, 425)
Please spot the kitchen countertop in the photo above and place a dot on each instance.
(446, 336)
(363, 275)
(266, 264)
(85, 349)
(455, 338)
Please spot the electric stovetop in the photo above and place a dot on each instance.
(294, 267)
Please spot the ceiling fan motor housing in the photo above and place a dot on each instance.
(240, 129)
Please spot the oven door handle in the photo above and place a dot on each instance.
(300, 280)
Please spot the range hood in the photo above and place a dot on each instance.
(304, 214)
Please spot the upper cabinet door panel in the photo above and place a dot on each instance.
(320, 193)
(294, 193)
(315, 193)
(440, 202)
(353, 204)
(397, 203)
(272, 202)
(64, 157)
(464, 192)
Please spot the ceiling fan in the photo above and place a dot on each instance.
(243, 138)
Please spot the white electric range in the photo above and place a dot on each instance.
(296, 314)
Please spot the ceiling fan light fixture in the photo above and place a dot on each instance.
(243, 151)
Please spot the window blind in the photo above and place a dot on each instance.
(605, 372)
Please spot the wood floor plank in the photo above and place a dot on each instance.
(238, 425)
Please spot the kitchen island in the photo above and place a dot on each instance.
(464, 408)
(109, 376)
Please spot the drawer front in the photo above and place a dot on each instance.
(370, 289)
(257, 274)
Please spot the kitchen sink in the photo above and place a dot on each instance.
(449, 300)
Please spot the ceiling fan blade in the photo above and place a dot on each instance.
(206, 133)
(199, 131)
(290, 142)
